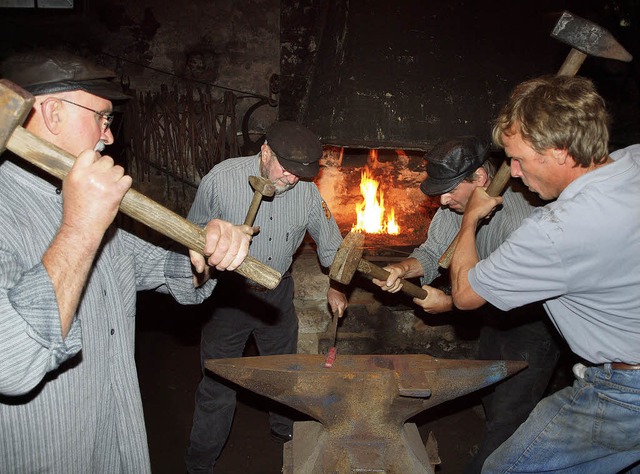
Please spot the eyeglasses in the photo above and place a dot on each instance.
(108, 118)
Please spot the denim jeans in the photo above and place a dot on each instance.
(508, 403)
(592, 427)
(268, 315)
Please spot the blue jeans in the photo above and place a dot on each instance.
(508, 403)
(592, 427)
(239, 312)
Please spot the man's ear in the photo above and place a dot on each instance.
(265, 154)
(560, 155)
(52, 115)
(482, 176)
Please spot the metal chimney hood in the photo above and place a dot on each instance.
(407, 73)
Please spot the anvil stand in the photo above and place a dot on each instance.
(361, 404)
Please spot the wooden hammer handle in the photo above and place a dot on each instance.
(57, 162)
(253, 208)
(495, 188)
(375, 271)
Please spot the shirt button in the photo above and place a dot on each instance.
(113, 331)
(58, 190)
(269, 258)
(269, 239)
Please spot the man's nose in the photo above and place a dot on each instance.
(445, 199)
(107, 137)
(516, 171)
(291, 178)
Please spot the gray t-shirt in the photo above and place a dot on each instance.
(580, 255)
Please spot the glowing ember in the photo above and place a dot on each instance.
(371, 211)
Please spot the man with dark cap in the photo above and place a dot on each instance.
(455, 168)
(69, 396)
(290, 152)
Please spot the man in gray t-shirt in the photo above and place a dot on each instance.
(580, 255)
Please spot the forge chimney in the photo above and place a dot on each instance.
(402, 75)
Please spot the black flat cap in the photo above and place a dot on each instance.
(449, 162)
(297, 148)
(48, 71)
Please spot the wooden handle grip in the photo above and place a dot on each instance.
(253, 208)
(57, 162)
(375, 271)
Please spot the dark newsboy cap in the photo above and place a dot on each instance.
(449, 162)
(48, 72)
(297, 148)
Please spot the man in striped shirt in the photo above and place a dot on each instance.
(69, 395)
(455, 168)
(291, 152)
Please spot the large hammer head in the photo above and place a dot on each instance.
(262, 185)
(15, 105)
(588, 37)
(347, 258)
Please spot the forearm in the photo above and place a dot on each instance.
(410, 268)
(464, 258)
(68, 261)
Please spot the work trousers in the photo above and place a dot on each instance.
(509, 402)
(239, 312)
(592, 427)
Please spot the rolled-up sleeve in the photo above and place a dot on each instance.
(30, 333)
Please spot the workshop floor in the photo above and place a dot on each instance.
(168, 367)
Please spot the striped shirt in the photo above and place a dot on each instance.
(72, 405)
(225, 193)
(446, 224)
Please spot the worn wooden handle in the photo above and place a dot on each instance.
(375, 271)
(253, 208)
(57, 162)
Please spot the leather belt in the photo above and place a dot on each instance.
(623, 366)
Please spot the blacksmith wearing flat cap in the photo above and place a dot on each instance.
(451, 161)
(44, 71)
(297, 148)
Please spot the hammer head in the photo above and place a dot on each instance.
(589, 38)
(345, 263)
(262, 185)
(15, 105)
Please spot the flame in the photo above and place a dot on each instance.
(371, 211)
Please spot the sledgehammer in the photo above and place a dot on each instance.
(585, 38)
(348, 259)
(15, 105)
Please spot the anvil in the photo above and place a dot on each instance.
(361, 403)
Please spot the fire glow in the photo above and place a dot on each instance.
(371, 216)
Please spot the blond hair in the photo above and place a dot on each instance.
(561, 112)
